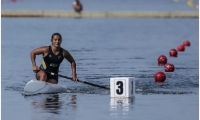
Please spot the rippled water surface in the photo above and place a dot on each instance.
(103, 48)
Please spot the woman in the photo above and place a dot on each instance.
(53, 55)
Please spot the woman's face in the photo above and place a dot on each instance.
(56, 41)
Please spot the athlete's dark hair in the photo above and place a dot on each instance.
(56, 34)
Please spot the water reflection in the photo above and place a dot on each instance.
(72, 103)
(53, 103)
(48, 103)
(121, 106)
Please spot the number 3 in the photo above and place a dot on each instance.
(120, 86)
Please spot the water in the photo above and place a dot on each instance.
(103, 48)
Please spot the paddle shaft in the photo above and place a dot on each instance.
(80, 81)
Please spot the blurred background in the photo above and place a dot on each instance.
(104, 5)
(104, 45)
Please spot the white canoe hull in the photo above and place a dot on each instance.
(40, 87)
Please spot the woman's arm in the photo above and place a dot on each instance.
(41, 50)
(69, 57)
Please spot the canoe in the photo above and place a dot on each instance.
(40, 87)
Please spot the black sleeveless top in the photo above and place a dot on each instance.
(51, 62)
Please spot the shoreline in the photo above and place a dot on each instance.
(99, 14)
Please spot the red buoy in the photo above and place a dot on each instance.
(173, 53)
(160, 77)
(169, 67)
(162, 60)
(181, 48)
(186, 43)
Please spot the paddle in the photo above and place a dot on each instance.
(79, 80)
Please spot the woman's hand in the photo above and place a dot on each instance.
(74, 77)
(36, 69)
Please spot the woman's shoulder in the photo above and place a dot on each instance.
(64, 50)
(43, 48)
